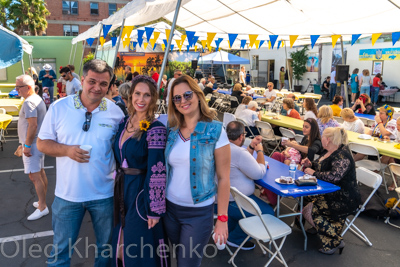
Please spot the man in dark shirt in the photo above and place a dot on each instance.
(128, 74)
(209, 89)
(325, 86)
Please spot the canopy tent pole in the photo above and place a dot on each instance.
(287, 69)
(70, 54)
(30, 63)
(345, 82)
(118, 43)
(73, 61)
(98, 39)
(164, 63)
(83, 51)
(251, 76)
(223, 66)
(22, 65)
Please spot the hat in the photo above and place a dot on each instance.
(47, 67)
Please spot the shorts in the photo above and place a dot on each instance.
(35, 162)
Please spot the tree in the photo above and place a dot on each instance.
(299, 63)
(24, 15)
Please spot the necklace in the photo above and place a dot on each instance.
(133, 129)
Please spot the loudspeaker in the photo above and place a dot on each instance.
(342, 73)
(194, 64)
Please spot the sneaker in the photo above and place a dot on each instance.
(37, 214)
(35, 204)
(247, 246)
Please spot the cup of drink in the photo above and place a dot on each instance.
(87, 148)
(284, 140)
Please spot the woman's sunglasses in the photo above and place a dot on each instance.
(188, 95)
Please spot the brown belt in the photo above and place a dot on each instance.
(119, 205)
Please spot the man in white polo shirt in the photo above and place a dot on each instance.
(84, 182)
(270, 94)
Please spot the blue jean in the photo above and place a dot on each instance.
(67, 220)
(51, 94)
(365, 90)
(236, 234)
(374, 95)
(332, 93)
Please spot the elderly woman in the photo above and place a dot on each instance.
(363, 105)
(388, 160)
(328, 212)
(123, 90)
(246, 100)
(337, 103)
(198, 166)
(325, 119)
(351, 122)
(311, 109)
(237, 91)
(288, 105)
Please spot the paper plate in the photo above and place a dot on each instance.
(365, 136)
(278, 181)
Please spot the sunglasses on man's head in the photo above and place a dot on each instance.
(178, 98)
(88, 119)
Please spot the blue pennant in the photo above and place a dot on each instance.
(106, 29)
(354, 38)
(90, 41)
(172, 48)
(218, 42)
(113, 41)
(314, 39)
(165, 42)
(154, 47)
(261, 43)
(188, 46)
(140, 37)
(190, 35)
(273, 39)
(395, 37)
(279, 44)
(149, 32)
(232, 37)
(195, 39)
(242, 43)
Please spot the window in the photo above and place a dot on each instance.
(112, 8)
(71, 30)
(70, 7)
(94, 8)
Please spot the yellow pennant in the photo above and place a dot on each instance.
(375, 37)
(156, 35)
(195, 48)
(145, 45)
(269, 44)
(210, 38)
(334, 40)
(252, 38)
(219, 49)
(257, 43)
(229, 43)
(127, 31)
(163, 47)
(293, 39)
(282, 43)
(179, 44)
(152, 42)
(102, 40)
(203, 43)
(183, 38)
(167, 32)
(126, 42)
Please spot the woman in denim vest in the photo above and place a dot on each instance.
(197, 150)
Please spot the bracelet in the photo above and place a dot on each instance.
(251, 147)
(260, 151)
(27, 146)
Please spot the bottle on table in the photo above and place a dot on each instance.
(292, 169)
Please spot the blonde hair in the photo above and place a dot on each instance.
(366, 72)
(336, 135)
(289, 102)
(347, 114)
(237, 87)
(175, 118)
(325, 113)
(246, 100)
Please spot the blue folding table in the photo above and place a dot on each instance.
(366, 116)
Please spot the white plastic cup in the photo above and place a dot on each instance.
(87, 148)
(284, 140)
(219, 246)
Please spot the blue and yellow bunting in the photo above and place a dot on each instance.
(314, 39)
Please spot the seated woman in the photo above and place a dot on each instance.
(337, 103)
(311, 109)
(237, 91)
(363, 105)
(325, 119)
(351, 122)
(246, 100)
(328, 212)
(250, 116)
(388, 160)
(288, 105)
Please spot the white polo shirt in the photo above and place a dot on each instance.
(80, 182)
(268, 94)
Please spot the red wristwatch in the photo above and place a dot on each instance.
(222, 218)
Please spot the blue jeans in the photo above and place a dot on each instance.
(236, 234)
(332, 93)
(374, 95)
(51, 93)
(365, 90)
(67, 220)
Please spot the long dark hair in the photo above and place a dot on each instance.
(314, 131)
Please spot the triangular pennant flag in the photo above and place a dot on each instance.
(257, 43)
(218, 42)
(152, 42)
(232, 37)
(165, 42)
(261, 43)
(183, 38)
(140, 37)
(395, 37)
(172, 47)
(163, 47)
(195, 48)
(156, 35)
(279, 44)
(242, 44)
(188, 46)
(113, 41)
(334, 39)
(203, 43)
(127, 30)
(154, 46)
(167, 32)
(194, 40)
(149, 32)
(145, 46)
(252, 38)
(292, 39)
(126, 42)
(229, 44)
(102, 40)
(354, 38)
(106, 29)
(179, 44)
(375, 37)
(314, 39)
(190, 35)
(90, 41)
(210, 38)
(273, 39)
(269, 44)
(283, 44)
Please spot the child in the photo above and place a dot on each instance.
(290, 154)
(46, 97)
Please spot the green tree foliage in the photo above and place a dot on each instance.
(89, 56)
(185, 67)
(299, 63)
(24, 15)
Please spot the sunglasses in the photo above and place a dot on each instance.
(88, 119)
(188, 95)
(64, 76)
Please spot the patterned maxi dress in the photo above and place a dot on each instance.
(144, 197)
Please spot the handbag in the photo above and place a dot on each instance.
(18, 152)
(306, 182)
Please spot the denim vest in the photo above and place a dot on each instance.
(202, 162)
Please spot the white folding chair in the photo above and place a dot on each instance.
(2, 111)
(228, 117)
(371, 165)
(246, 126)
(298, 138)
(394, 171)
(287, 133)
(268, 135)
(372, 180)
(339, 119)
(364, 120)
(396, 115)
(370, 123)
(11, 108)
(261, 227)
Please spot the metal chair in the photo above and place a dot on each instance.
(233, 100)
(246, 126)
(339, 119)
(261, 227)
(371, 165)
(372, 180)
(370, 123)
(228, 117)
(394, 171)
(287, 133)
(162, 107)
(298, 138)
(2, 111)
(268, 136)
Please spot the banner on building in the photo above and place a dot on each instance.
(379, 54)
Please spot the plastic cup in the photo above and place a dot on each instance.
(284, 139)
(87, 148)
(219, 246)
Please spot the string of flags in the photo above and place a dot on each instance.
(192, 39)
